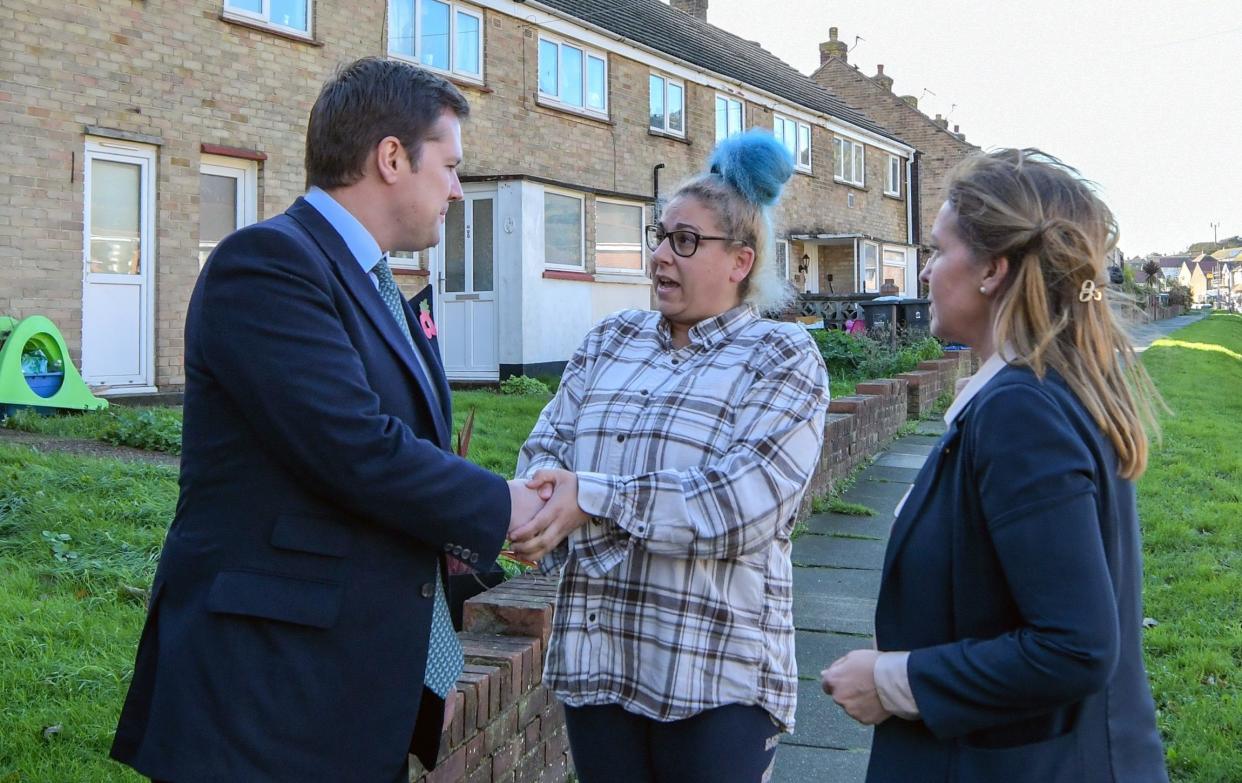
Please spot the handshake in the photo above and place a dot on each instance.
(545, 511)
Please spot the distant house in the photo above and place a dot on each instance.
(1232, 256)
(937, 148)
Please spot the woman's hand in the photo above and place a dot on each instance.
(558, 518)
(850, 681)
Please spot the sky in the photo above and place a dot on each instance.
(1144, 97)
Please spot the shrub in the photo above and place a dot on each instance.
(523, 385)
(154, 429)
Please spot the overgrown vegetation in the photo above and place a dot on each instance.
(154, 429)
(853, 358)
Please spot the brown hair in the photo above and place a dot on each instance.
(366, 101)
(1039, 213)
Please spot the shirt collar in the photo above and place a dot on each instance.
(713, 330)
(365, 249)
(987, 372)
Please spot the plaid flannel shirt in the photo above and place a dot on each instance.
(677, 596)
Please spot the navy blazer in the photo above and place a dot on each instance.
(290, 613)
(1013, 575)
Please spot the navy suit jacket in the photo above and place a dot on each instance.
(1013, 575)
(290, 613)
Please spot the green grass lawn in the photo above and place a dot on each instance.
(1190, 502)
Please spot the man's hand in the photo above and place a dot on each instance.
(525, 503)
(850, 681)
(560, 517)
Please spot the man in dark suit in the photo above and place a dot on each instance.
(298, 628)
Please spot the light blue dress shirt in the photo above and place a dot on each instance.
(367, 253)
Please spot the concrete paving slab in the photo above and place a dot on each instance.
(815, 550)
(893, 459)
(833, 599)
(877, 526)
(815, 651)
(879, 495)
(801, 764)
(922, 446)
(900, 475)
(821, 723)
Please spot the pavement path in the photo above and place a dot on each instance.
(837, 564)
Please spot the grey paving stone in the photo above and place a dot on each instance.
(892, 459)
(834, 599)
(802, 764)
(818, 550)
(935, 425)
(913, 445)
(815, 651)
(878, 495)
(898, 475)
(823, 724)
(877, 526)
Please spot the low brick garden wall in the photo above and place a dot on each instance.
(508, 728)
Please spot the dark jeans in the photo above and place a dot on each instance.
(730, 743)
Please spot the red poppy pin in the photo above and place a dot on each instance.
(424, 320)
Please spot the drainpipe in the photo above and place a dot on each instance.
(655, 188)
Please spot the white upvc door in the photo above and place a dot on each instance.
(118, 329)
(227, 200)
(465, 292)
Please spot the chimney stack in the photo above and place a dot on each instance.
(696, 8)
(833, 48)
(957, 131)
(884, 81)
(911, 101)
(941, 122)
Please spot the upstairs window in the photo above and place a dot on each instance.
(850, 161)
(796, 136)
(892, 180)
(441, 36)
(573, 77)
(668, 105)
(287, 15)
(728, 117)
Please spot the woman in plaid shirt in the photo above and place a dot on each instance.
(678, 446)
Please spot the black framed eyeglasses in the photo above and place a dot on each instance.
(682, 242)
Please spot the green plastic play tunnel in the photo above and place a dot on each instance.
(35, 369)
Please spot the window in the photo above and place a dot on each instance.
(728, 117)
(668, 105)
(573, 77)
(618, 236)
(782, 258)
(562, 229)
(796, 136)
(895, 269)
(850, 164)
(226, 200)
(290, 15)
(892, 182)
(871, 267)
(437, 34)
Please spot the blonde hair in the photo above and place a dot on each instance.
(751, 223)
(1039, 213)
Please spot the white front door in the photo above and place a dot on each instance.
(466, 289)
(118, 256)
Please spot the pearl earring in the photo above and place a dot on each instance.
(983, 290)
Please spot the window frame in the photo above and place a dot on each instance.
(557, 100)
(858, 161)
(666, 82)
(581, 199)
(264, 18)
(455, 8)
(862, 266)
(904, 263)
(892, 177)
(641, 272)
(798, 126)
(246, 174)
(776, 257)
(728, 99)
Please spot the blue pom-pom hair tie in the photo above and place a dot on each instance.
(755, 164)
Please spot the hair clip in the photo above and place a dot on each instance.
(1089, 292)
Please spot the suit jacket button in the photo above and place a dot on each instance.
(428, 590)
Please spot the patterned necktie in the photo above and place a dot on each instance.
(444, 655)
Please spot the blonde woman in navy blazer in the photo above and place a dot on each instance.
(1009, 621)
